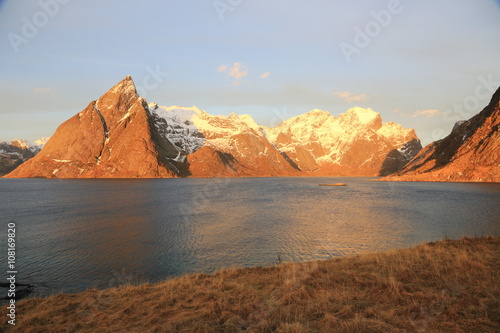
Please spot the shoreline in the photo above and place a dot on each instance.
(382, 179)
(448, 285)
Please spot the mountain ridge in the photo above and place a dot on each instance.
(470, 153)
(120, 135)
(16, 152)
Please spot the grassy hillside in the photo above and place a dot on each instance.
(446, 286)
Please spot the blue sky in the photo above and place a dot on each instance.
(424, 64)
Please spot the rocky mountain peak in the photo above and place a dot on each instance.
(41, 142)
(111, 138)
(15, 153)
(125, 87)
(248, 120)
(20, 143)
(315, 114)
(362, 117)
(347, 145)
(397, 133)
(121, 96)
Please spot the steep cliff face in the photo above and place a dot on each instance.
(111, 138)
(470, 153)
(121, 136)
(353, 144)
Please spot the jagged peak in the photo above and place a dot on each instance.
(126, 84)
(392, 126)
(42, 141)
(20, 143)
(365, 117)
(317, 112)
(153, 106)
(247, 119)
(125, 87)
(362, 112)
(314, 115)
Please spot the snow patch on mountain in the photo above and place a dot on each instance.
(40, 143)
(189, 128)
(396, 133)
(321, 138)
(176, 124)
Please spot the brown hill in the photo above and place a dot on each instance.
(470, 153)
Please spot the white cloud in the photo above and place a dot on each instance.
(237, 71)
(348, 96)
(265, 75)
(222, 68)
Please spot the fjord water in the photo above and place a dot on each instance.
(72, 235)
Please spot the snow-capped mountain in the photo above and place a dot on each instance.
(120, 135)
(16, 152)
(354, 143)
(40, 142)
(315, 142)
(235, 144)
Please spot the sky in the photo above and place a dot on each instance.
(424, 64)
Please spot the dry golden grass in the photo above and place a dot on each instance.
(446, 286)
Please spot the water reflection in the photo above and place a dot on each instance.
(77, 234)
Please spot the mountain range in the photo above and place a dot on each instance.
(120, 135)
(16, 152)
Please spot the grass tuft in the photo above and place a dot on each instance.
(445, 286)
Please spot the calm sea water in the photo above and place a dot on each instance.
(76, 234)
